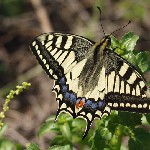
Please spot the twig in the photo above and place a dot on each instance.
(42, 16)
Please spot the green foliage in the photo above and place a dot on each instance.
(32, 147)
(6, 144)
(9, 97)
(11, 7)
(126, 48)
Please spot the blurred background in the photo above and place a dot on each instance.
(22, 20)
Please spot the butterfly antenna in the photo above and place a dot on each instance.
(121, 27)
(100, 12)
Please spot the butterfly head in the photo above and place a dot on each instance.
(104, 42)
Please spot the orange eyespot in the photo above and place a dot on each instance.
(79, 104)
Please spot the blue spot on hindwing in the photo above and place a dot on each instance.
(94, 105)
(62, 81)
(101, 104)
(64, 89)
(73, 98)
(66, 95)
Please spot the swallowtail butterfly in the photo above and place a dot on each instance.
(90, 79)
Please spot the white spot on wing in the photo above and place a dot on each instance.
(49, 48)
(133, 91)
(57, 54)
(48, 44)
(137, 90)
(89, 116)
(116, 89)
(34, 43)
(127, 89)
(111, 81)
(63, 106)
(38, 52)
(122, 87)
(144, 105)
(70, 58)
(115, 105)
(47, 66)
(123, 69)
(58, 42)
(62, 57)
(99, 113)
(142, 84)
(132, 78)
(68, 42)
(36, 47)
(50, 37)
(53, 51)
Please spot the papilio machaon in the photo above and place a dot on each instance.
(90, 79)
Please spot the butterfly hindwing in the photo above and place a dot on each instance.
(127, 87)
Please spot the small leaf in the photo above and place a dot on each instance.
(65, 130)
(78, 123)
(47, 127)
(129, 119)
(140, 141)
(6, 145)
(128, 41)
(143, 59)
(131, 58)
(32, 146)
(58, 140)
(114, 43)
(66, 147)
(64, 117)
(148, 118)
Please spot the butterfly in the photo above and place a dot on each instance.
(90, 79)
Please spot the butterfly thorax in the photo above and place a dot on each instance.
(91, 72)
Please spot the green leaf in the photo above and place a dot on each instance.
(6, 145)
(147, 118)
(78, 123)
(141, 140)
(114, 43)
(99, 141)
(58, 140)
(64, 117)
(129, 119)
(65, 130)
(131, 58)
(32, 146)
(47, 127)
(143, 59)
(128, 41)
(66, 147)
